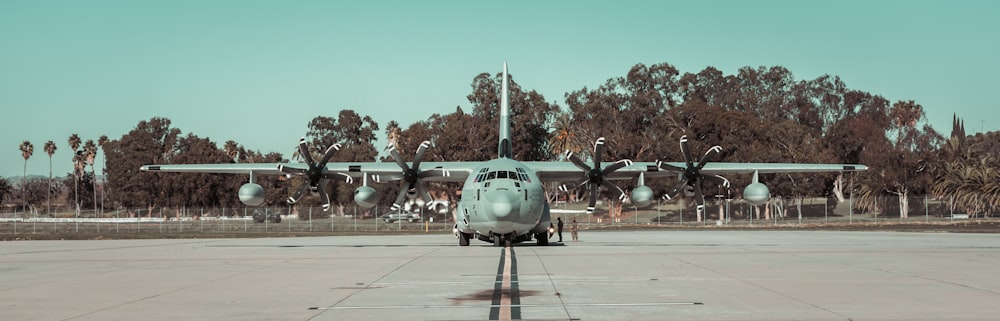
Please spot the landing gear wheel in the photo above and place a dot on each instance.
(542, 238)
(463, 239)
(497, 241)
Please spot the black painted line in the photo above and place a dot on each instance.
(498, 289)
(515, 295)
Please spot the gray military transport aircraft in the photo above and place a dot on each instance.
(503, 200)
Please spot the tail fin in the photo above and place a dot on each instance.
(504, 148)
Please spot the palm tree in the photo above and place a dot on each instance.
(26, 150)
(975, 184)
(74, 143)
(103, 143)
(392, 134)
(232, 150)
(90, 153)
(564, 138)
(50, 148)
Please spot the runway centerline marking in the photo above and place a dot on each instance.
(506, 303)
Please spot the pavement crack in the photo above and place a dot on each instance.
(176, 290)
(553, 283)
(369, 286)
(764, 288)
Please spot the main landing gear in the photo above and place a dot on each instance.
(542, 238)
(463, 239)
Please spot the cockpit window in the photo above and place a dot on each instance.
(523, 175)
(519, 175)
(482, 174)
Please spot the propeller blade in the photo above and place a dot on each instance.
(399, 159)
(616, 166)
(328, 154)
(667, 167)
(434, 172)
(323, 196)
(574, 185)
(718, 180)
(298, 194)
(403, 187)
(291, 170)
(347, 178)
(686, 151)
(598, 152)
(576, 161)
(424, 194)
(699, 197)
(592, 204)
(304, 151)
(715, 150)
(677, 189)
(614, 189)
(420, 153)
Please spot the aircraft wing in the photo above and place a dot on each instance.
(566, 171)
(432, 171)
(459, 171)
(770, 168)
(258, 168)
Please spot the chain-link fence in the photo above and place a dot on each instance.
(211, 220)
(171, 220)
(809, 210)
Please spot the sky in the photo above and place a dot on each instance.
(258, 71)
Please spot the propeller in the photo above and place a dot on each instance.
(316, 175)
(413, 176)
(691, 176)
(595, 175)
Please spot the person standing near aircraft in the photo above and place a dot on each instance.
(573, 229)
(559, 227)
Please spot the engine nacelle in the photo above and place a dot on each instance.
(251, 194)
(756, 194)
(366, 197)
(642, 196)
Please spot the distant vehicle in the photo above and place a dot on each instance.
(404, 216)
(259, 216)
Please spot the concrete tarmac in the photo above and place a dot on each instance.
(622, 275)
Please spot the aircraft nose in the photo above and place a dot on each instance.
(502, 203)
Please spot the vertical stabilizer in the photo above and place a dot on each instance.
(504, 149)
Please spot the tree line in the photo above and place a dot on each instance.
(761, 114)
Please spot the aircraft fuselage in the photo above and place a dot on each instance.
(502, 198)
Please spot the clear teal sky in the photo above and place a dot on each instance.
(258, 71)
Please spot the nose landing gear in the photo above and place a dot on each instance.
(502, 240)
